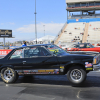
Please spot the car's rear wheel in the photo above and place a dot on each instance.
(8, 75)
(76, 75)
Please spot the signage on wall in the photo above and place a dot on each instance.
(5, 33)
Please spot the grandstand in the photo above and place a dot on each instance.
(83, 20)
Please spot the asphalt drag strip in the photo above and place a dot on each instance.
(51, 88)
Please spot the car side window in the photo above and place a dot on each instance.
(17, 54)
(31, 52)
(43, 51)
(36, 51)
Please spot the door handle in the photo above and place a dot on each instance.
(24, 62)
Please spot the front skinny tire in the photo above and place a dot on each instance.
(76, 75)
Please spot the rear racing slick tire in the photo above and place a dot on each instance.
(76, 75)
(8, 75)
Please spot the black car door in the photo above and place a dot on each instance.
(38, 60)
(16, 59)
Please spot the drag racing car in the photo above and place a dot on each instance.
(47, 59)
(83, 47)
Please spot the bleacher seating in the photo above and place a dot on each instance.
(77, 31)
(83, 19)
(73, 31)
(94, 32)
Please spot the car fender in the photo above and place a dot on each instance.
(69, 65)
(75, 62)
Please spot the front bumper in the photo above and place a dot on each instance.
(96, 67)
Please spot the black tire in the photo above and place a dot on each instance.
(8, 75)
(76, 75)
(17, 76)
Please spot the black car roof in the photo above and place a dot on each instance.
(33, 45)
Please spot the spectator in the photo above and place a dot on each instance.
(24, 44)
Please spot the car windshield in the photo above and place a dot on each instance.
(73, 46)
(56, 50)
(91, 46)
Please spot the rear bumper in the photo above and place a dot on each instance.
(96, 67)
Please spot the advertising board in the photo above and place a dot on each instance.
(5, 33)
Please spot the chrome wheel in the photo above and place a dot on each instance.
(76, 75)
(8, 74)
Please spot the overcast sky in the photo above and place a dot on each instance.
(18, 15)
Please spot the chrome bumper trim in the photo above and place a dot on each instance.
(96, 67)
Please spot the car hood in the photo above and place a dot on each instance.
(78, 57)
(83, 53)
(81, 56)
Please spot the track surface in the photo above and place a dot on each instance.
(51, 88)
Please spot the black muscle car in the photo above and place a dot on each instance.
(46, 59)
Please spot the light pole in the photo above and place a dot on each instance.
(44, 29)
(35, 23)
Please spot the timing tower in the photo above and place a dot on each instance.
(83, 22)
(78, 10)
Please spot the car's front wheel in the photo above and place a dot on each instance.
(8, 75)
(76, 75)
